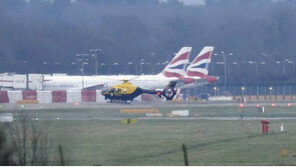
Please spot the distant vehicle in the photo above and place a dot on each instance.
(127, 91)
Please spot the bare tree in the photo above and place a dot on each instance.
(29, 141)
(7, 157)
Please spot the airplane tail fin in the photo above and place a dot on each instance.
(176, 68)
(199, 66)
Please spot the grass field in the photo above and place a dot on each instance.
(158, 142)
(229, 111)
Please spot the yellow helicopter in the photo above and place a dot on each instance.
(127, 91)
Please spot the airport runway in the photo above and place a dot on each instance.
(133, 105)
(165, 118)
(82, 116)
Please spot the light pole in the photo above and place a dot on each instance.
(243, 89)
(152, 58)
(278, 62)
(225, 68)
(261, 63)
(256, 64)
(147, 65)
(95, 51)
(141, 66)
(109, 66)
(225, 65)
(222, 63)
(73, 64)
(234, 63)
(129, 64)
(103, 64)
(136, 68)
(270, 91)
(82, 58)
(115, 64)
(158, 66)
(284, 65)
(215, 90)
(165, 64)
(45, 63)
(293, 65)
(57, 64)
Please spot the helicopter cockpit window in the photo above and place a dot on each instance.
(111, 90)
(117, 91)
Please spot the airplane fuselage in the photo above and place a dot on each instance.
(151, 82)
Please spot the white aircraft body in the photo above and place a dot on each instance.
(174, 71)
(195, 75)
(151, 82)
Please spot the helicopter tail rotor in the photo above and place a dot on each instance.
(169, 91)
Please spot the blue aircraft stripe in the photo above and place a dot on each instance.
(204, 65)
(180, 67)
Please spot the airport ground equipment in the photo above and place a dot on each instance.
(265, 123)
(129, 121)
(283, 129)
(127, 91)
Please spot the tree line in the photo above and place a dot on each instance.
(34, 32)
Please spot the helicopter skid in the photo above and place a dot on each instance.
(119, 101)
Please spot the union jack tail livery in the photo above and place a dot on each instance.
(176, 68)
(199, 66)
(198, 69)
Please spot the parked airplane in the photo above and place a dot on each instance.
(197, 72)
(174, 71)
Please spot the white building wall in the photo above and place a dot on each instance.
(1, 80)
(7, 81)
(36, 81)
(73, 96)
(100, 98)
(14, 96)
(44, 97)
(19, 81)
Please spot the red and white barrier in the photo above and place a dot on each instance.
(15, 96)
(59, 96)
(29, 95)
(44, 97)
(100, 98)
(88, 95)
(73, 96)
(4, 96)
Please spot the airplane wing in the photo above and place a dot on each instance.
(96, 87)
